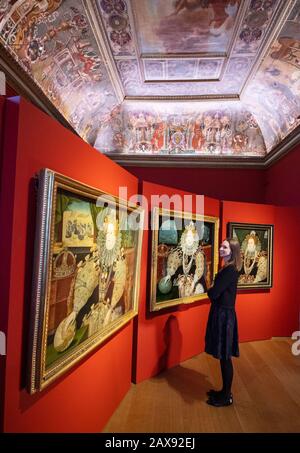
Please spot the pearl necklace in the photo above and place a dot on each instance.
(247, 268)
(187, 267)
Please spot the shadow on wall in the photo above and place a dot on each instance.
(172, 343)
(189, 383)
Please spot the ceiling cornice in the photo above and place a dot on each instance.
(286, 145)
(187, 161)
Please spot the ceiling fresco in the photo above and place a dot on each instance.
(169, 47)
(53, 43)
(184, 26)
(224, 130)
(164, 77)
(274, 92)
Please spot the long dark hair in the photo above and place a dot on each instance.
(235, 257)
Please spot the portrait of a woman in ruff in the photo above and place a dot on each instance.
(184, 259)
(256, 243)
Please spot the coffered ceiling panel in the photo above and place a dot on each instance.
(170, 48)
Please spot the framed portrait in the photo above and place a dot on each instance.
(184, 257)
(256, 242)
(86, 273)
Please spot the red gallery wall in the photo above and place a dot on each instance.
(274, 312)
(167, 337)
(3, 315)
(283, 180)
(234, 184)
(85, 397)
(2, 102)
(283, 189)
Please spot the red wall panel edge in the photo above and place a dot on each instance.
(84, 398)
(9, 126)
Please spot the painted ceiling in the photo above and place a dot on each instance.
(164, 77)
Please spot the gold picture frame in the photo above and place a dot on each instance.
(168, 257)
(81, 294)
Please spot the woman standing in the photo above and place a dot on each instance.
(221, 339)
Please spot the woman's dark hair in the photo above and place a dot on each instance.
(235, 258)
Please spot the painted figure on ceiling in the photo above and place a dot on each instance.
(216, 125)
(231, 10)
(226, 134)
(255, 140)
(208, 130)
(240, 142)
(190, 5)
(198, 137)
(157, 140)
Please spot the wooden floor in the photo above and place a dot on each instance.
(266, 392)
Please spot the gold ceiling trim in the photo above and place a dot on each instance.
(184, 56)
(200, 97)
(286, 145)
(243, 8)
(96, 24)
(132, 20)
(149, 82)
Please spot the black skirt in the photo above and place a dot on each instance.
(221, 338)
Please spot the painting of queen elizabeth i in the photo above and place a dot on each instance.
(256, 243)
(86, 276)
(184, 257)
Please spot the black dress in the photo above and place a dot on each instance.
(221, 339)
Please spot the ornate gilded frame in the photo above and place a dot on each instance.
(38, 377)
(156, 212)
(254, 226)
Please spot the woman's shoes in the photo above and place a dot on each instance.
(213, 392)
(220, 401)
